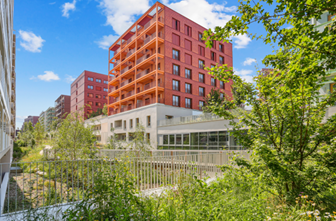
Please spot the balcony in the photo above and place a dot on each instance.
(126, 108)
(149, 101)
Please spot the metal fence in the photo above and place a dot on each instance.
(39, 184)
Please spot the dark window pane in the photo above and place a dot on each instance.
(213, 138)
(178, 139)
(165, 139)
(185, 139)
(171, 139)
(194, 138)
(203, 138)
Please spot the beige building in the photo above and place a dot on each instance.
(166, 127)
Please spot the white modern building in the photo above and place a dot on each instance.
(167, 127)
(329, 85)
(7, 91)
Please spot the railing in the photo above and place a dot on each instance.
(113, 89)
(149, 101)
(52, 183)
(130, 107)
(130, 52)
(143, 73)
(146, 55)
(116, 99)
(131, 39)
(130, 93)
(118, 50)
(188, 119)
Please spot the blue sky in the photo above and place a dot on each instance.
(57, 40)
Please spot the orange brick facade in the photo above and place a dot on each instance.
(141, 62)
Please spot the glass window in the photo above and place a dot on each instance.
(90, 86)
(200, 36)
(105, 82)
(176, 85)
(213, 82)
(221, 60)
(98, 80)
(201, 64)
(200, 105)
(185, 139)
(203, 138)
(194, 139)
(188, 103)
(176, 101)
(213, 138)
(188, 88)
(90, 95)
(187, 73)
(223, 138)
(98, 96)
(201, 78)
(176, 54)
(176, 69)
(105, 89)
(178, 139)
(201, 91)
(90, 79)
(222, 85)
(213, 56)
(221, 47)
(165, 139)
(171, 139)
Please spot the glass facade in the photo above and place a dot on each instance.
(214, 140)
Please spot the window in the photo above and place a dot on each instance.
(201, 50)
(185, 139)
(221, 60)
(187, 30)
(131, 123)
(111, 127)
(187, 73)
(148, 121)
(222, 86)
(213, 56)
(201, 64)
(176, 54)
(124, 124)
(176, 39)
(176, 101)
(200, 36)
(188, 88)
(105, 89)
(221, 48)
(90, 79)
(176, 85)
(171, 139)
(200, 105)
(105, 82)
(178, 139)
(213, 82)
(201, 78)
(188, 103)
(188, 59)
(76, 85)
(176, 69)
(165, 139)
(76, 92)
(98, 104)
(90, 103)
(201, 91)
(98, 88)
(98, 80)
(176, 24)
(90, 86)
(187, 44)
(221, 96)
(214, 44)
(137, 122)
(90, 95)
(98, 96)
(104, 97)
(148, 137)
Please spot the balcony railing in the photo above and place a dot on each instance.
(126, 108)
(149, 101)
(130, 52)
(113, 89)
(130, 93)
(147, 55)
(143, 73)
(130, 39)
(129, 67)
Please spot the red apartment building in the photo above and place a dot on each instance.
(62, 106)
(161, 59)
(89, 88)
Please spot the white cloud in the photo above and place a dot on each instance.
(52, 3)
(66, 7)
(30, 41)
(69, 79)
(211, 15)
(47, 76)
(245, 74)
(249, 61)
(107, 41)
(241, 41)
(121, 14)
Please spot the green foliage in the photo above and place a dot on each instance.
(27, 134)
(39, 132)
(96, 113)
(105, 110)
(73, 139)
(294, 147)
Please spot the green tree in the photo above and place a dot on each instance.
(294, 146)
(104, 111)
(27, 134)
(74, 140)
(39, 132)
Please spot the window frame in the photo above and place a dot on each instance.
(185, 75)
(203, 91)
(199, 78)
(176, 101)
(178, 71)
(189, 91)
(176, 85)
(189, 102)
(199, 64)
(178, 54)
